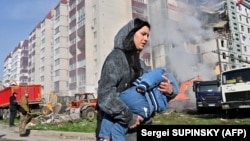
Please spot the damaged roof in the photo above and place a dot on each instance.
(217, 8)
(219, 24)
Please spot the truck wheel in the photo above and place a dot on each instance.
(45, 110)
(89, 113)
(200, 110)
(231, 113)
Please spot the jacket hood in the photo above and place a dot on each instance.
(122, 34)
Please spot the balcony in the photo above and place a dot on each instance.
(81, 45)
(139, 4)
(81, 32)
(72, 86)
(72, 50)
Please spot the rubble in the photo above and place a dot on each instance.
(51, 119)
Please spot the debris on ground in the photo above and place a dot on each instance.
(51, 119)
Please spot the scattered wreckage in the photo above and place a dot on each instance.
(82, 106)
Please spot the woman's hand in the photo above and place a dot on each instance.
(138, 121)
(165, 86)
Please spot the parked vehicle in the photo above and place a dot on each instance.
(65, 102)
(208, 95)
(35, 97)
(235, 87)
(83, 106)
(52, 106)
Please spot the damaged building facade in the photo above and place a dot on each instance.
(217, 32)
(232, 32)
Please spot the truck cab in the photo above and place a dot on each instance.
(208, 95)
(235, 87)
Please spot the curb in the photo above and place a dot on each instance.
(65, 135)
(56, 134)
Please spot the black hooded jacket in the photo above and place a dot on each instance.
(116, 76)
(13, 103)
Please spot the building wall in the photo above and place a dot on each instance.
(7, 70)
(15, 63)
(60, 56)
(69, 60)
(101, 29)
(34, 55)
(77, 62)
(24, 63)
(46, 53)
(240, 32)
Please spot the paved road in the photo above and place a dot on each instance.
(11, 134)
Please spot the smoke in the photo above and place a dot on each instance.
(191, 59)
(186, 66)
(191, 45)
(191, 54)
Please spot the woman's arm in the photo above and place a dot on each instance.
(112, 76)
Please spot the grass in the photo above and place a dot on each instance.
(168, 118)
(193, 118)
(76, 126)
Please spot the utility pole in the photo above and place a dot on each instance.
(219, 59)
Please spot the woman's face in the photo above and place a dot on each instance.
(141, 37)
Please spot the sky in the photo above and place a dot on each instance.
(18, 18)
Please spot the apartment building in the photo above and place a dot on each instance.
(34, 55)
(67, 48)
(77, 45)
(179, 41)
(232, 32)
(6, 72)
(222, 40)
(93, 27)
(23, 79)
(15, 66)
(15, 69)
(61, 49)
(239, 45)
(48, 52)
(46, 72)
(12, 65)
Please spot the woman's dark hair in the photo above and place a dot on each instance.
(138, 23)
(133, 55)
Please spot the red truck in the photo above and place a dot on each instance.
(35, 97)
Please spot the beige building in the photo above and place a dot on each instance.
(93, 25)
(46, 54)
(101, 28)
(68, 47)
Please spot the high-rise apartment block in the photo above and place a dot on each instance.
(65, 51)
